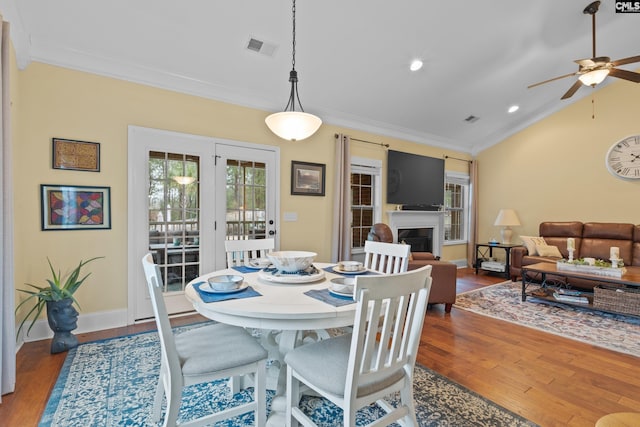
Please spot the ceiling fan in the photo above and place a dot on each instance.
(594, 70)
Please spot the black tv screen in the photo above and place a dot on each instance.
(415, 181)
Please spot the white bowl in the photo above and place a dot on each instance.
(350, 265)
(343, 285)
(291, 261)
(225, 282)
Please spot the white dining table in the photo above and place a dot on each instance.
(285, 315)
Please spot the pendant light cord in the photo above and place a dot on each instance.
(293, 44)
(293, 74)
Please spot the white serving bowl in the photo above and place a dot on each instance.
(343, 285)
(350, 265)
(225, 282)
(291, 261)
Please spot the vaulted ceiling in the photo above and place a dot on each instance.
(352, 56)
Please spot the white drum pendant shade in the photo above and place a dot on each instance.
(293, 125)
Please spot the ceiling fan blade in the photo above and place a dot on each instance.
(628, 60)
(573, 89)
(624, 74)
(551, 80)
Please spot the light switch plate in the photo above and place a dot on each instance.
(290, 216)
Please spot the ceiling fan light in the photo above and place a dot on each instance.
(594, 77)
(293, 125)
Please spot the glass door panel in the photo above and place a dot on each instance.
(174, 217)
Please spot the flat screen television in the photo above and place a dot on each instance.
(414, 181)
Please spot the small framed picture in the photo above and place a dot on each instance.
(307, 179)
(75, 207)
(75, 155)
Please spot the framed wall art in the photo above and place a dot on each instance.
(75, 207)
(75, 155)
(307, 179)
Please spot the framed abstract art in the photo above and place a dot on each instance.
(75, 207)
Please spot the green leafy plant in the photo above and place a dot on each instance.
(56, 291)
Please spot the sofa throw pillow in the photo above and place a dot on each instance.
(548, 250)
(531, 241)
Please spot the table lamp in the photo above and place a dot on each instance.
(507, 218)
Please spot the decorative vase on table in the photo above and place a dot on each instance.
(63, 318)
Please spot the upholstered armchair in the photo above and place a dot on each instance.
(444, 274)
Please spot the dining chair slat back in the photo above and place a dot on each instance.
(202, 354)
(357, 369)
(239, 252)
(386, 258)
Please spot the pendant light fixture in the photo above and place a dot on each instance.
(290, 124)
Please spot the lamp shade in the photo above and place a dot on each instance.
(507, 218)
(293, 125)
(594, 77)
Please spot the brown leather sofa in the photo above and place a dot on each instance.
(592, 239)
(444, 274)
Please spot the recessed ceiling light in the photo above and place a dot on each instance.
(513, 108)
(416, 64)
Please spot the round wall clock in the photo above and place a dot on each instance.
(623, 158)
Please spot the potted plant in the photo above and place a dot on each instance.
(59, 300)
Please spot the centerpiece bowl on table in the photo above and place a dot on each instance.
(291, 261)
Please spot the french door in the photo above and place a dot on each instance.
(246, 208)
(187, 194)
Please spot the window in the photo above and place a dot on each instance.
(365, 199)
(456, 203)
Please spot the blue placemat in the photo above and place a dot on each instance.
(324, 296)
(207, 297)
(244, 269)
(331, 270)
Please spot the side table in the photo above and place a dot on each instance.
(485, 251)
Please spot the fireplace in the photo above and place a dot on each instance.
(418, 227)
(420, 239)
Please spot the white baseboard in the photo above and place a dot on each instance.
(461, 263)
(86, 323)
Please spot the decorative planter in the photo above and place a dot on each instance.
(63, 318)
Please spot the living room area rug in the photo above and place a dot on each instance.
(112, 383)
(503, 301)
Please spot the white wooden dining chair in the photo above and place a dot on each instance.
(357, 369)
(387, 258)
(201, 355)
(239, 252)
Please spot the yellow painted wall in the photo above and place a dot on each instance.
(555, 170)
(51, 102)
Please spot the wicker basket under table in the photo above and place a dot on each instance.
(621, 300)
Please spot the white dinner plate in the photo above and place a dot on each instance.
(338, 270)
(206, 288)
(290, 278)
(341, 294)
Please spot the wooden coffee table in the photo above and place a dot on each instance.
(631, 278)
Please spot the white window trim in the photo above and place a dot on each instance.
(462, 179)
(373, 167)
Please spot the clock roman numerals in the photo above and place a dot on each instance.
(623, 158)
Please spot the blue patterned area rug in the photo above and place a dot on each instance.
(112, 383)
(504, 301)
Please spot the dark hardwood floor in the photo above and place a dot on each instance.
(545, 378)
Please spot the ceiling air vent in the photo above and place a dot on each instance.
(261, 46)
(472, 119)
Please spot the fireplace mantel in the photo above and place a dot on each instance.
(419, 219)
